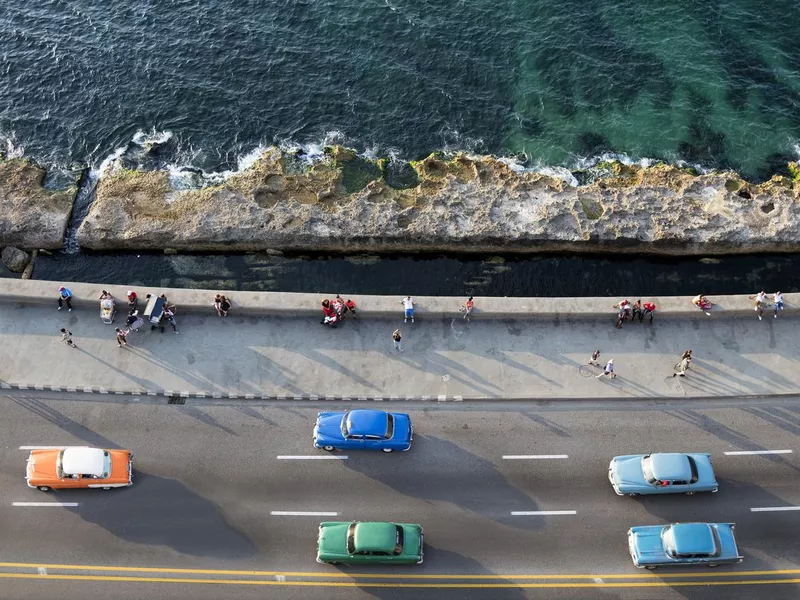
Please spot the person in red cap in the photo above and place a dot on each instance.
(133, 301)
(64, 297)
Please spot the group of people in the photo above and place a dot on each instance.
(760, 302)
(628, 311)
(334, 311)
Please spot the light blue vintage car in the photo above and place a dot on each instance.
(668, 473)
(710, 544)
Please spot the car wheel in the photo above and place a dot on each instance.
(333, 563)
(106, 488)
(44, 488)
(633, 495)
(328, 448)
(387, 450)
(712, 565)
(650, 567)
(689, 493)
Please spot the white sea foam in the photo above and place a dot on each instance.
(154, 138)
(11, 148)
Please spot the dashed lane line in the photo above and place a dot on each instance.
(774, 508)
(45, 504)
(313, 457)
(755, 452)
(542, 513)
(298, 513)
(533, 456)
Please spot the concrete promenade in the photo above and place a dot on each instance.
(504, 352)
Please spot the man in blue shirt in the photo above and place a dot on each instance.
(64, 295)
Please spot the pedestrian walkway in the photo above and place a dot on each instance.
(274, 356)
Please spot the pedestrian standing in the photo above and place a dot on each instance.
(66, 337)
(169, 312)
(408, 307)
(686, 354)
(133, 301)
(122, 337)
(682, 366)
(759, 301)
(396, 338)
(64, 297)
(594, 357)
(637, 310)
(608, 370)
(649, 309)
(777, 298)
(467, 308)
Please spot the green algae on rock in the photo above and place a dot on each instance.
(30, 215)
(459, 204)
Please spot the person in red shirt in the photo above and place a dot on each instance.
(329, 314)
(649, 309)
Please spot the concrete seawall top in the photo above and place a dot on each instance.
(295, 304)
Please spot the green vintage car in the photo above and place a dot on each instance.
(356, 543)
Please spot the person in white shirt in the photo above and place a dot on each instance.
(777, 298)
(609, 370)
(408, 306)
(759, 302)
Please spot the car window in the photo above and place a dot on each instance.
(372, 437)
(389, 426)
(59, 467)
(693, 467)
(351, 538)
(398, 544)
(355, 437)
(106, 464)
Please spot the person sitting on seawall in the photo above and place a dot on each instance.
(624, 307)
(649, 309)
(468, 307)
(329, 317)
(105, 294)
(703, 303)
(222, 305)
(636, 311)
(350, 308)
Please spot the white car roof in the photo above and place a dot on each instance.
(83, 461)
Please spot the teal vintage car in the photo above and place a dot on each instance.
(662, 473)
(357, 543)
(710, 544)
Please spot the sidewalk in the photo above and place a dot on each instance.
(274, 356)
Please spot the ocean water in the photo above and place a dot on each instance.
(710, 82)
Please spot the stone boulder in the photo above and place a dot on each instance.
(15, 259)
(30, 215)
(459, 204)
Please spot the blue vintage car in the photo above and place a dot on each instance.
(363, 430)
(672, 473)
(710, 544)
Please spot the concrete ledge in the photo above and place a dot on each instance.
(86, 296)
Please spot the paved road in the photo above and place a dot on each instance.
(449, 357)
(208, 479)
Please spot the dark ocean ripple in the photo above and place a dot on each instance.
(710, 82)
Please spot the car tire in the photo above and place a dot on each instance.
(633, 495)
(387, 450)
(650, 567)
(106, 488)
(712, 565)
(689, 493)
(328, 448)
(43, 488)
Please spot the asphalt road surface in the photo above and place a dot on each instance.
(213, 512)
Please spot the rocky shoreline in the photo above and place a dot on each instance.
(346, 203)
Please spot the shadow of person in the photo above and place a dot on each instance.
(157, 511)
(460, 477)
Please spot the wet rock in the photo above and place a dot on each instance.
(31, 216)
(15, 259)
(455, 204)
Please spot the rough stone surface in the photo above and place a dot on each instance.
(463, 204)
(31, 216)
(15, 259)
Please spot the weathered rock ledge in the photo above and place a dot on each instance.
(464, 204)
(30, 215)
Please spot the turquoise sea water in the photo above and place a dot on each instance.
(714, 83)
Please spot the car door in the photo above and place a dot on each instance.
(373, 442)
(354, 442)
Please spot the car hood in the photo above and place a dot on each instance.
(332, 538)
(42, 464)
(627, 470)
(329, 426)
(647, 541)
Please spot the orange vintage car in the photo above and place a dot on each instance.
(65, 468)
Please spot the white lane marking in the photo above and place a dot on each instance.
(745, 452)
(774, 508)
(533, 456)
(44, 504)
(46, 447)
(313, 457)
(293, 513)
(541, 513)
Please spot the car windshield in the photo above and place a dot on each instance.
(398, 545)
(647, 471)
(59, 467)
(389, 426)
(693, 466)
(351, 539)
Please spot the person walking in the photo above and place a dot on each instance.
(777, 298)
(759, 302)
(64, 297)
(122, 337)
(594, 357)
(66, 337)
(169, 313)
(649, 309)
(467, 308)
(608, 370)
(681, 367)
(397, 340)
(408, 307)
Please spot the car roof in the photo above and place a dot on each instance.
(693, 538)
(83, 461)
(375, 537)
(671, 467)
(366, 422)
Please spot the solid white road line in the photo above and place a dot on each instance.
(48, 447)
(541, 513)
(44, 504)
(746, 452)
(314, 457)
(292, 513)
(774, 508)
(533, 456)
